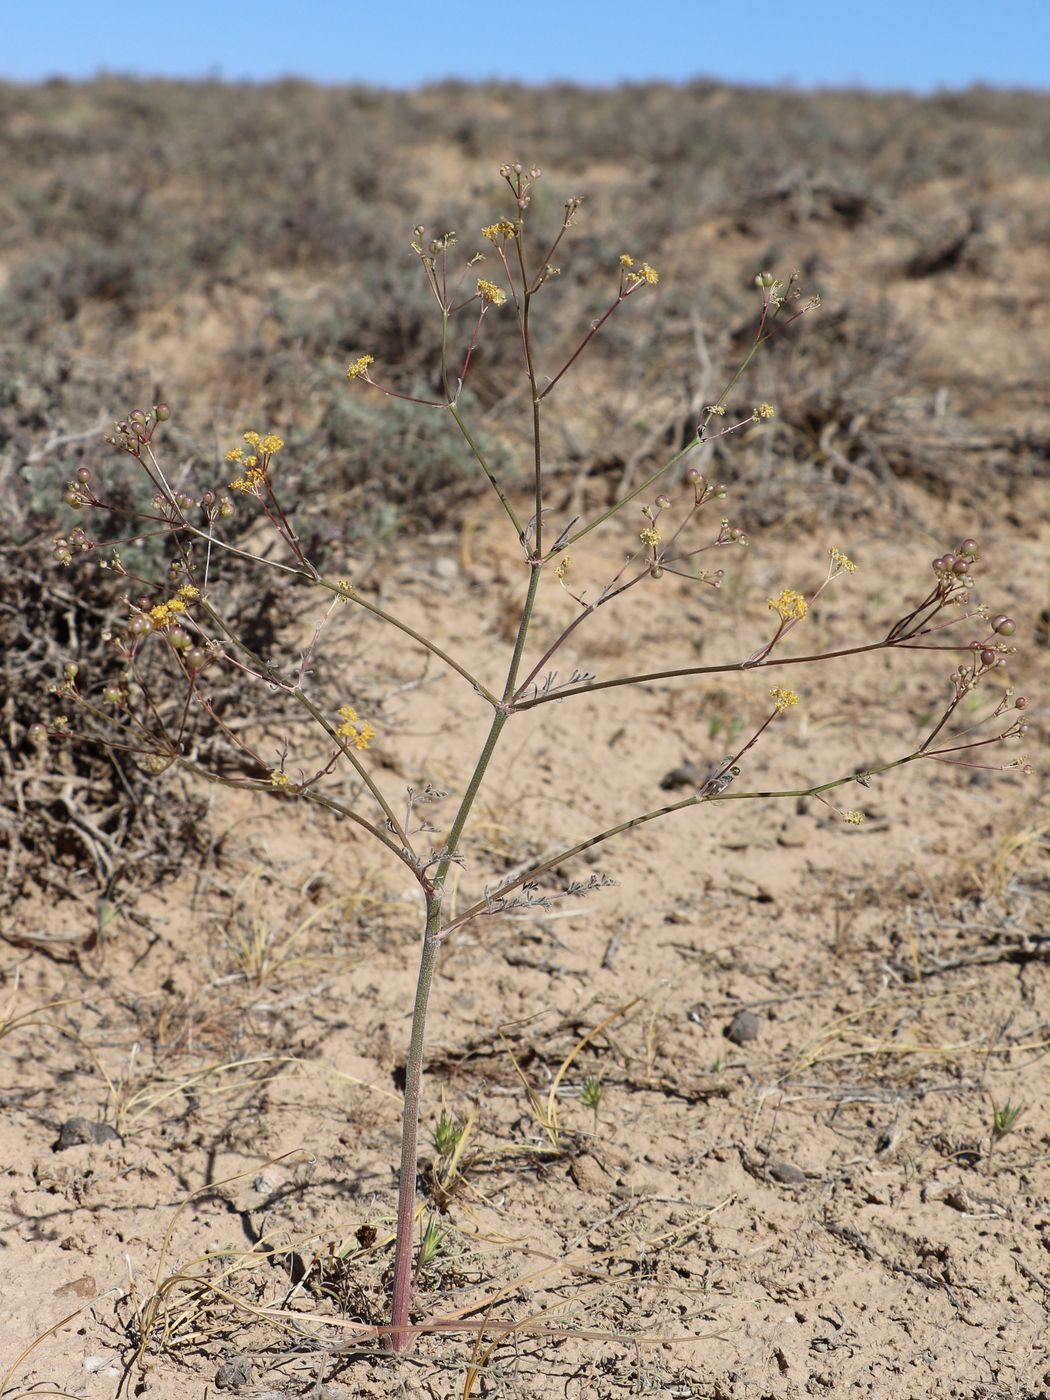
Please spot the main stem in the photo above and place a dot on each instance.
(406, 1197)
(399, 1337)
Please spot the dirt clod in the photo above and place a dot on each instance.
(742, 1028)
(82, 1132)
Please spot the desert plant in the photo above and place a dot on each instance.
(1004, 1120)
(177, 632)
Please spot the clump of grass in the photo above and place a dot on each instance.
(180, 630)
(260, 948)
(1004, 1120)
(591, 1096)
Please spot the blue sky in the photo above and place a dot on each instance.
(921, 44)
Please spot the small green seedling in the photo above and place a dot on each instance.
(1004, 1120)
(431, 1241)
(446, 1135)
(591, 1096)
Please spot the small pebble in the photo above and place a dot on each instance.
(786, 1173)
(234, 1373)
(742, 1028)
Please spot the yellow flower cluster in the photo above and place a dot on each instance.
(188, 591)
(644, 274)
(791, 606)
(359, 734)
(360, 366)
(764, 410)
(267, 445)
(650, 535)
(563, 566)
(783, 699)
(501, 229)
(853, 818)
(490, 294)
(249, 483)
(840, 561)
(278, 779)
(255, 463)
(167, 614)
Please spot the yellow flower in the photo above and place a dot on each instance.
(360, 367)
(235, 454)
(791, 606)
(783, 699)
(718, 409)
(490, 294)
(278, 779)
(563, 566)
(188, 590)
(270, 444)
(649, 274)
(626, 260)
(764, 410)
(165, 614)
(503, 228)
(840, 561)
(359, 734)
(650, 535)
(853, 818)
(253, 440)
(249, 483)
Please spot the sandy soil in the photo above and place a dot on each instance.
(808, 1201)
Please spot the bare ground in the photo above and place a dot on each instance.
(822, 1208)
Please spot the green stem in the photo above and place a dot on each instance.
(647, 677)
(399, 1340)
(399, 1337)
